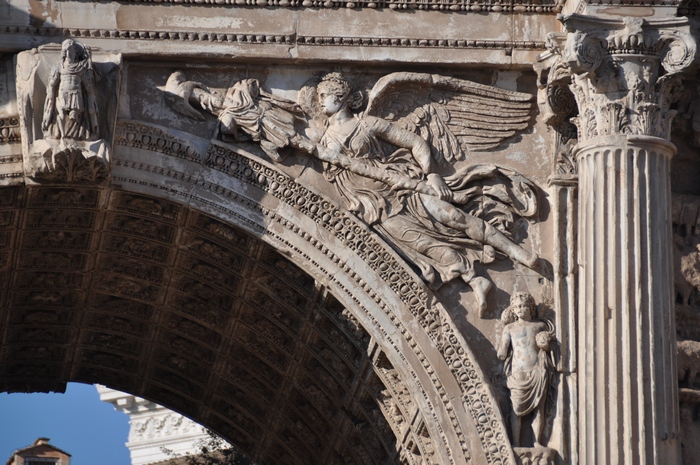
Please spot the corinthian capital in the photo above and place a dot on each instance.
(626, 73)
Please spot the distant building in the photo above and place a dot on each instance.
(152, 428)
(39, 453)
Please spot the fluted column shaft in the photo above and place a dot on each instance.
(625, 74)
(628, 401)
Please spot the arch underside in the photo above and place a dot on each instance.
(216, 308)
(165, 302)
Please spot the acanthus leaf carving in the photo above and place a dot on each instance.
(626, 73)
(558, 104)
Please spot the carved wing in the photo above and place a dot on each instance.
(453, 115)
(307, 98)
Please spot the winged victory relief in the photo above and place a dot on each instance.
(392, 158)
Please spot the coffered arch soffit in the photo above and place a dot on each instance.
(208, 201)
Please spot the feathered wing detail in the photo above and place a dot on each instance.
(307, 98)
(453, 115)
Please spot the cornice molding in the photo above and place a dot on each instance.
(269, 39)
(495, 6)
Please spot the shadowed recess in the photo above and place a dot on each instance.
(167, 303)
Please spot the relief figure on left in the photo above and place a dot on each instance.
(70, 111)
(69, 137)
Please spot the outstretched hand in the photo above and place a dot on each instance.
(436, 182)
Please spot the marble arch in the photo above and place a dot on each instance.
(215, 299)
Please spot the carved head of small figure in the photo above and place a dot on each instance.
(72, 51)
(523, 306)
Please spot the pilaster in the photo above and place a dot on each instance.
(625, 75)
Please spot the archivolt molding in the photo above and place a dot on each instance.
(308, 207)
(9, 130)
(264, 337)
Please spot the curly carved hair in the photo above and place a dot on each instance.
(509, 316)
(336, 84)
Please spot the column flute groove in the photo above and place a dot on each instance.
(625, 310)
(623, 75)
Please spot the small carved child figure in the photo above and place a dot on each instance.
(524, 347)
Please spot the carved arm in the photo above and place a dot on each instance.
(420, 150)
(400, 137)
(504, 345)
(50, 104)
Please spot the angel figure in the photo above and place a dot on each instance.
(70, 111)
(385, 173)
(383, 161)
(525, 349)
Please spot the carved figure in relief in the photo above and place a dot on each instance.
(70, 111)
(688, 360)
(386, 162)
(246, 112)
(434, 221)
(69, 139)
(525, 349)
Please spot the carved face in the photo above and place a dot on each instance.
(523, 311)
(71, 53)
(330, 103)
(70, 50)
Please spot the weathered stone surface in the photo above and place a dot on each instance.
(316, 212)
(68, 99)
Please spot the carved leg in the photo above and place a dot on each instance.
(477, 229)
(538, 423)
(271, 150)
(498, 240)
(481, 287)
(515, 423)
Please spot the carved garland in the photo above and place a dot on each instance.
(477, 397)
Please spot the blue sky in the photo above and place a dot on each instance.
(77, 422)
